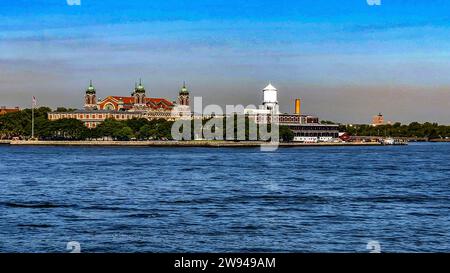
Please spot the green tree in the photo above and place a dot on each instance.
(136, 124)
(63, 109)
(109, 128)
(286, 134)
(125, 133)
(71, 129)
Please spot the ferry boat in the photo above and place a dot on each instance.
(393, 141)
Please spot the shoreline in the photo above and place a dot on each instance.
(197, 143)
(439, 140)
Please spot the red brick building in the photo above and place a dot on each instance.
(4, 110)
(138, 105)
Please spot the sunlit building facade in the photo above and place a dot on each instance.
(306, 128)
(138, 105)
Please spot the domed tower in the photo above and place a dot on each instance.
(270, 98)
(90, 99)
(183, 97)
(139, 96)
(182, 109)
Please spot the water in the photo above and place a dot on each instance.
(333, 199)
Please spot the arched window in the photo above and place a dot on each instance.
(109, 106)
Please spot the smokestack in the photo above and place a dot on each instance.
(297, 107)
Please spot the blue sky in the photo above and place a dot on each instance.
(345, 59)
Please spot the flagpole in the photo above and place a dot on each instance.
(32, 119)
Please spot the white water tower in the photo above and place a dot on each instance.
(270, 98)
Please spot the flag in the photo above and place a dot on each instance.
(34, 101)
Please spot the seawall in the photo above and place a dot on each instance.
(199, 143)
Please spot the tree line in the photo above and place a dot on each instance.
(18, 124)
(414, 130)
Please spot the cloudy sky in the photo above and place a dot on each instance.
(346, 60)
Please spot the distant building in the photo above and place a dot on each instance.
(136, 102)
(378, 120)
(269, 109)
(92, 118)
(306, 128)
(138, 105)
(314, 132)
(270, 99)
(4, 110)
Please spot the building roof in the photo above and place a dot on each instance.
(88, 111)
(139, 88)
(270, 87)
(184, 90)
(124, 100)
(154, 103)
(96, 111)
(5, 110)
(91, 88)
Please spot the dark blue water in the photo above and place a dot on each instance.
(225, 200)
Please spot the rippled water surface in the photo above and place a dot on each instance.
(225, 200)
